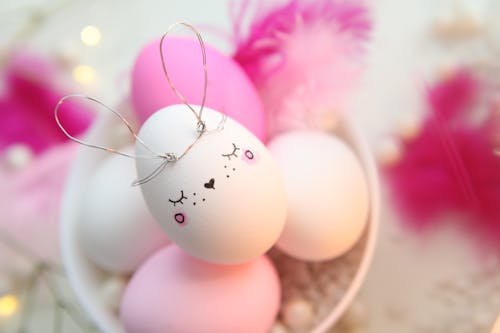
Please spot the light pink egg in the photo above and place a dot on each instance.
(229, 90)
(175, 293)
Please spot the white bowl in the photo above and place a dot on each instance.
(85, 278)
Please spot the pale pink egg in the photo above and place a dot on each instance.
(173, 292)
(229, 91)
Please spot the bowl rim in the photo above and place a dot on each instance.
(76, 264)
(72, 258)
(367, 159)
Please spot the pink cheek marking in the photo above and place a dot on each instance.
(180, 218)
(250, 156)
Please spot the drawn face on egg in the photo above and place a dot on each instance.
(248, 156)
(224, 201)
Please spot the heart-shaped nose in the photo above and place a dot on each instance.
(210, 184)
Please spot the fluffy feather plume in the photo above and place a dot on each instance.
(30, 194)
(453, 165)
(305, 57)
(27, 105)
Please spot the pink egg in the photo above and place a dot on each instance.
(229, 91)
(173, 292)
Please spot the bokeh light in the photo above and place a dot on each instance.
(90, 35)
(8, 305)
(84, 74)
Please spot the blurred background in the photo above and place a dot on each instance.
(436, 267)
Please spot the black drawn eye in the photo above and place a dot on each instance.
(175, 202)
(233, 153)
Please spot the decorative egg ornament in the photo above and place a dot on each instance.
(328, 199)
(224, 199)
(176, 293)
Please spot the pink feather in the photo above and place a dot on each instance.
(30, 201)
(452, 167)
(27, 106)
(30, 197)
(305, 58)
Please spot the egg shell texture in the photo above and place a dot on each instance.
(176, 293)
(117, 230)
(327, 194)
(224, 201)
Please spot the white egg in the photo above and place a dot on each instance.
(117, 231)
(327, 195)
(224, 201)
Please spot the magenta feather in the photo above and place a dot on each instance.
(451, 166)
(305, 58)
(27, 106)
